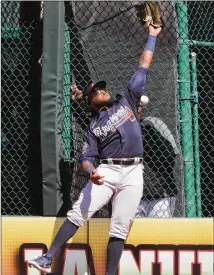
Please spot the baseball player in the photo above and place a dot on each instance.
(160, 151)
(114, 138)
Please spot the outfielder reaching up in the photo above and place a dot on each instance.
(113, 138)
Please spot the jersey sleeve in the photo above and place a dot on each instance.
(136, 85)
(89, 149)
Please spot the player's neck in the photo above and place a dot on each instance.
(103, 109)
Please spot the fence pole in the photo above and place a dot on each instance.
(51, 104)
(185, 109)
(196, 134)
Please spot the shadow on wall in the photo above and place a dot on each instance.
(66, 173)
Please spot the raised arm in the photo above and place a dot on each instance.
(138, 81)
(146, 56)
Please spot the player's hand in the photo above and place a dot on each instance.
(76, 94)
(96, 178)
(154, 31)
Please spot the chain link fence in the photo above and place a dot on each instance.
(102, 42)
(110, 39)
(106, 39)
(20, 112)
(202, 47)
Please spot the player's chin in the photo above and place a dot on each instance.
(99, 182)
(108, 102)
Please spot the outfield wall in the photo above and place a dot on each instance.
(154, 247)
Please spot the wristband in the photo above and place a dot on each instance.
(89, 170)
(150, 43)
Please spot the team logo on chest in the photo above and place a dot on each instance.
(116, 120)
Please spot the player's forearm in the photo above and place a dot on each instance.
(87, 167)
(146, 56)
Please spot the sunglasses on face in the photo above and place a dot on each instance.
(96, 91)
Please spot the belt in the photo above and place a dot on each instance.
(122, 161)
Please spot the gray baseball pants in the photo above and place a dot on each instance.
(122, 184)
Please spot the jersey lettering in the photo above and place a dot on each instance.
(114, 121)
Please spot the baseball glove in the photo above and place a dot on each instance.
(149, 13)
